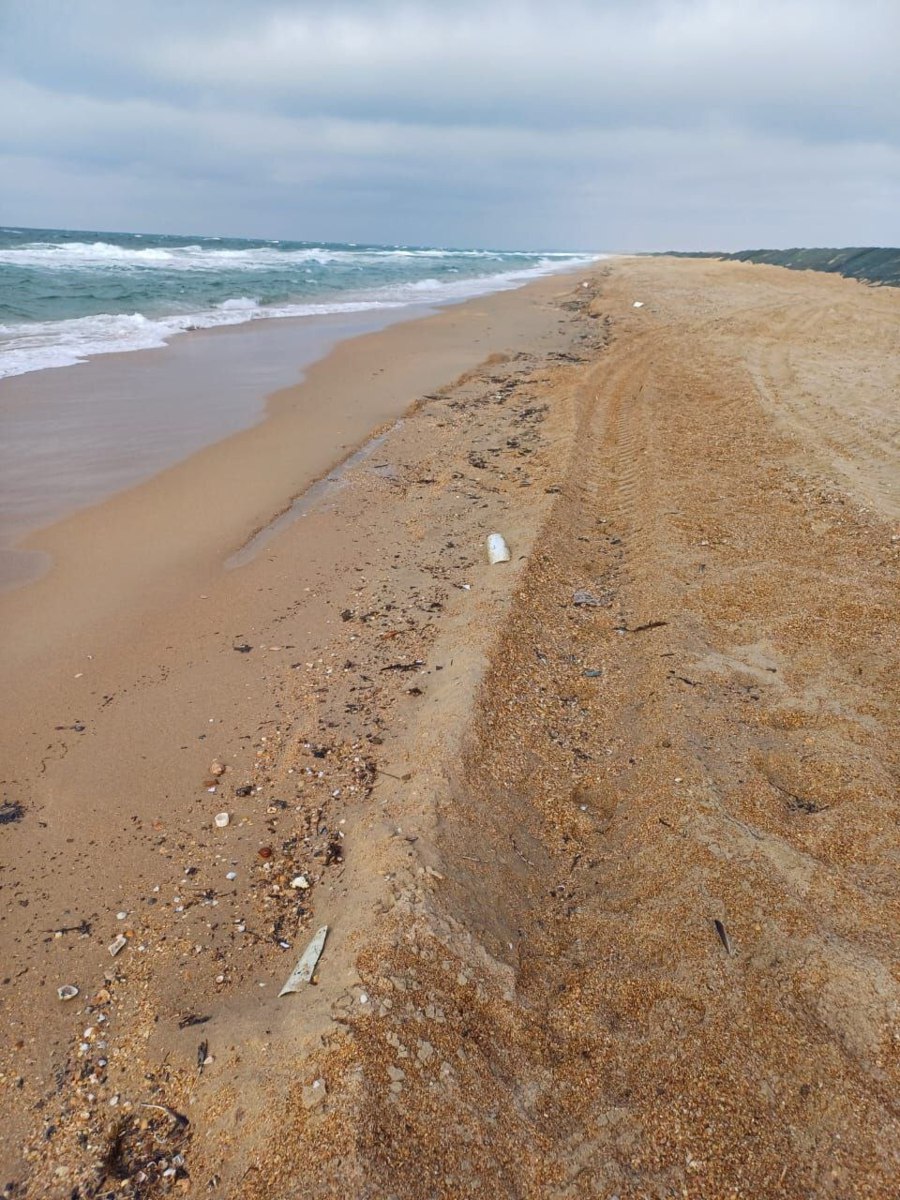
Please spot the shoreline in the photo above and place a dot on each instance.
(78, 434)
(137, 539)
(226, 378)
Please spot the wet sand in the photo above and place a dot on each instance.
(604, 837)
(72, 437)
(181, 523)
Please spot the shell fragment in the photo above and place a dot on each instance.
(303, 972)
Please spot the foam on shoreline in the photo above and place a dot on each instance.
(67, 302)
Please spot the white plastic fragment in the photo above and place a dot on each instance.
(497, 549)
(222, 820)
(68, 991)
(638, 304)
(303, 972)
(300, 881)
(117, 945)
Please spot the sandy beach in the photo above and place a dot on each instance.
(604, 838)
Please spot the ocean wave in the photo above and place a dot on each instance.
(47, 344)
(196, 256)
(100, 255)
(494, 255)
(41, 345)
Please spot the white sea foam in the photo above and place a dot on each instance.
(38, 346)
(93, 255)
(44, 344)
(97, 255)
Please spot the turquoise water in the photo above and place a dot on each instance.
(67, 295)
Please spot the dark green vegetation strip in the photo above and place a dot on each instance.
(874, 264)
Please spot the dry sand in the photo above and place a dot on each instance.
(610, 886)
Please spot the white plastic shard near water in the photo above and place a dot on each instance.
(497, 549)
(303, 972)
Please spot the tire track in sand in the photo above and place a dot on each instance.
(665, 802)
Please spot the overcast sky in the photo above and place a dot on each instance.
(604, 125)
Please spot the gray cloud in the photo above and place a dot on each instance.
(639, 124)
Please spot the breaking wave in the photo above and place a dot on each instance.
(65, 298)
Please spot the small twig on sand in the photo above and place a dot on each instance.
(525, 860)
(179, 1118)
(723, 936)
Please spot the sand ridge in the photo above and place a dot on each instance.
(614, 910)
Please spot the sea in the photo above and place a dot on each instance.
(68, 295)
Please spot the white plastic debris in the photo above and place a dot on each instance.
(68, 991)
(221, 820)
(303, 972)
(300, 881)
(638, 304)
(117, 945)
(497, 549)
